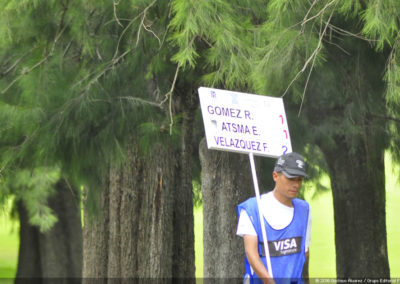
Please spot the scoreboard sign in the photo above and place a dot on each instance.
(245, 123)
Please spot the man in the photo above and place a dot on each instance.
(287, 221)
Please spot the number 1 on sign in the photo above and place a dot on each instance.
(286, 134)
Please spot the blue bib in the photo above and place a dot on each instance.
(286, 246)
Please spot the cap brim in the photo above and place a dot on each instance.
(294, 174)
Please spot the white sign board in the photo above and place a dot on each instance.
(245, 123)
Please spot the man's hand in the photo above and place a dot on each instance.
(251, 248)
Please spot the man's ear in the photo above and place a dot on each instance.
(275, 176)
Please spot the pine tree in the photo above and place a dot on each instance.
(100, 92)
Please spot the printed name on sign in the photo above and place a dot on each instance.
(241, 144)
(229, 112)
(239, 128)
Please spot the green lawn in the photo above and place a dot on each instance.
(8, 245)
(198, 240)
(322, 248)
(393, 217)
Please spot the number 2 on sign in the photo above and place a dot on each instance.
(285, 150)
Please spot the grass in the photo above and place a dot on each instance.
(198, 240)
(9, 242)
(393, 216)
(322, 249)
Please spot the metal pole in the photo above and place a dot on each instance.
(264, 233)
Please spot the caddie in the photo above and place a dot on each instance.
(287, 221)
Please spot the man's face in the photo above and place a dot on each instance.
(287, 188)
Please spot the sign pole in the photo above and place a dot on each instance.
(264, 233)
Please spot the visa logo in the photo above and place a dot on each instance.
(285, 244)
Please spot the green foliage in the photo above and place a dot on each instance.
(79, 79)
(350, 8)
(157, 135)
(218, 33)
(197, 196)
(33, 188)
(193, 19)
(381, 21)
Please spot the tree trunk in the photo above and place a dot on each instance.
(145, 229)
(95, 239)
(135, 215)
(346, 95)
(358, 188)
(183, 253)
(226, 181)
(58, 252)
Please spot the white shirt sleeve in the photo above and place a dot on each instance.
(245, 226)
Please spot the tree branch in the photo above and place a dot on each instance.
(142, 101)
(385, 117)
(130, 23)
(169, 96)
(123, 32)
(345, 32)
(303, 23)
(27, 71)
(142, 22)
(305, 20)
(9, 69)
(116, 3)
(314, 54)
(392, 55)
